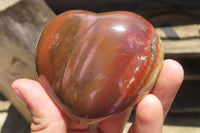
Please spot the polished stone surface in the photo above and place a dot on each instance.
(98, 64)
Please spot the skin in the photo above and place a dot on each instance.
(150, 111)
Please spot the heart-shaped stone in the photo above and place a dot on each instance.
(94, 66)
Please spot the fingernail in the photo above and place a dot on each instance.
(16, 91)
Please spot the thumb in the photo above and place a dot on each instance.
(149, 116)
(46, 117)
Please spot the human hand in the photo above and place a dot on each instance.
(150, 112)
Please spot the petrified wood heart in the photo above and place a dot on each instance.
(97, 65)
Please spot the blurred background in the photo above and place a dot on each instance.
(176, 21)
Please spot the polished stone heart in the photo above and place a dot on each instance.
(95, 66)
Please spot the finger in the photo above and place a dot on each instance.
(168, 83)
(148, 116)
(46, 116)
(115, 124)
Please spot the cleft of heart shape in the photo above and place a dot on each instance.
(95, 66)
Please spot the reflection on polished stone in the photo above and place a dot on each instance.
(98, 65)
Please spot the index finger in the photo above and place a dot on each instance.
(168, 84)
